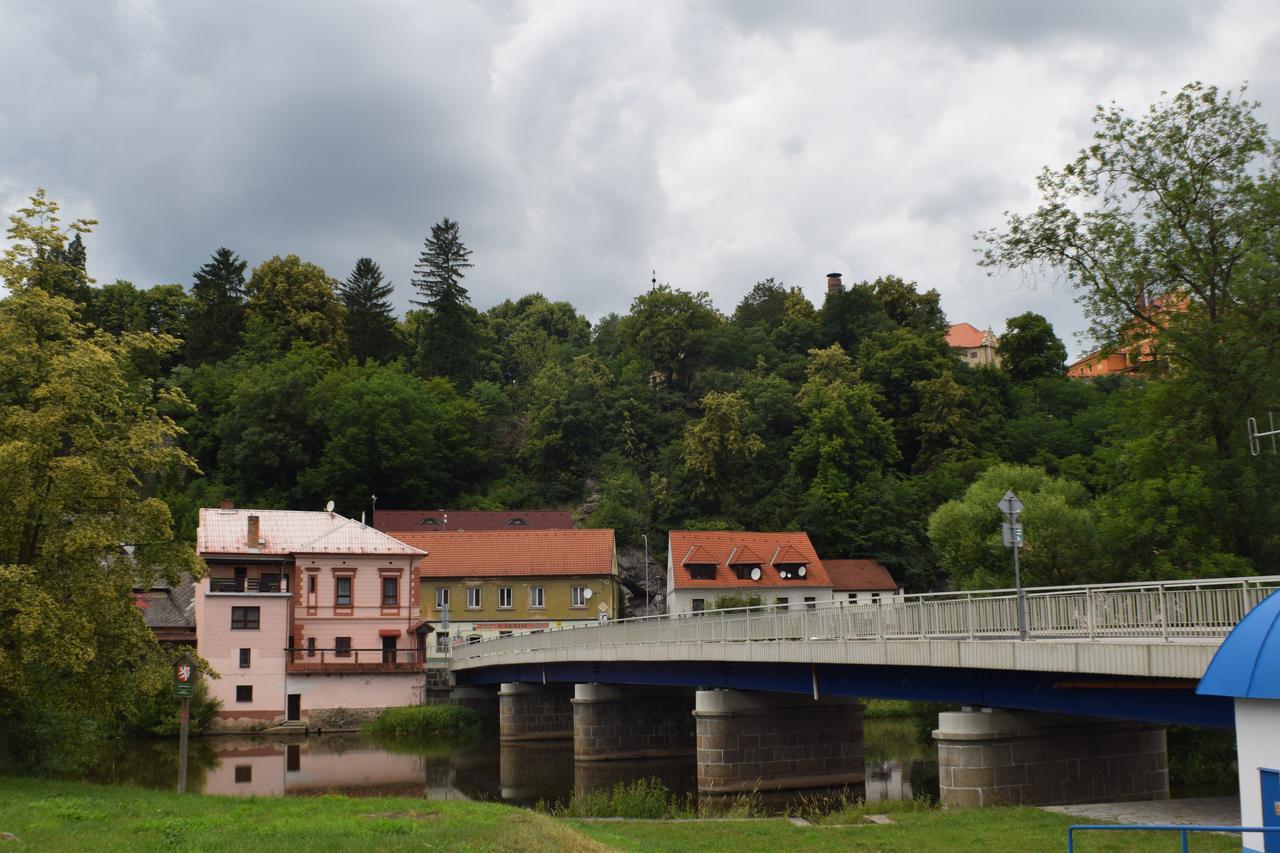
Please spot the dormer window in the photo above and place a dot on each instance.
(792, 571)
(517, 522)
(747, 571)
(429, 522)
(701, 571)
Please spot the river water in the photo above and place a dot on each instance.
(900, 764)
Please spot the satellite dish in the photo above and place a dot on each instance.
(587, 593)
(328, 507)
(801, 571)
(755, 573)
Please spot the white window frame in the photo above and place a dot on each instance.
(537, 598)
(578, 597)
(474, 598)
(506, 600)
(442, 598)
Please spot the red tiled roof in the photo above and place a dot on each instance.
(699, 556)
(283, 532)
(847, 575)
(425, 520)
(742, 555)
(718, 545)
(512, 553)
(965, 336)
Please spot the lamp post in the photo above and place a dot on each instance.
(645, 537)
(1011, 507)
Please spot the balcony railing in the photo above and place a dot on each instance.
(336, 660)
(1168, 611)
(266, 583)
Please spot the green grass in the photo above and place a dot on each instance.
(50, 815)
(426, 721)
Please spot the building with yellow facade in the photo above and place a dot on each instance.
(481, 584)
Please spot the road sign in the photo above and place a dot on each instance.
(1012, 535)
(184, 676)
(1009, 504)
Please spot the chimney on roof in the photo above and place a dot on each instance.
(252, 538)
(833, 283)
(226, 504)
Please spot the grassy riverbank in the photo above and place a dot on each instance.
(47, 815)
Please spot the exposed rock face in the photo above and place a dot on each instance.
(631, 571)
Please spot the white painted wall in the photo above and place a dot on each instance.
(681, 600)
(1257, 748)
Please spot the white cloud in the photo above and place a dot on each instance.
(583, 144)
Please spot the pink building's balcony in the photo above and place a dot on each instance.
(303, 660)
(265, 583)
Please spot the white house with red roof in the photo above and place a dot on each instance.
(305, 612)
(781, 569)
(975, 347)
(861, 581)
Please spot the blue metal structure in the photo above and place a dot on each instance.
(1270, 831)
(1097, 696)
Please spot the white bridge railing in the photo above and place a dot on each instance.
(1160, 611)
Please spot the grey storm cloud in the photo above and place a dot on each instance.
(583, 145)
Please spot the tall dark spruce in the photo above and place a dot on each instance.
(371, 325)
(218, 318)
(448, 334)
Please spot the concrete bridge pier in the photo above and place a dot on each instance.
(534, 712)
(752, 741)
(482, 699)
(995, 757)
(613, 722)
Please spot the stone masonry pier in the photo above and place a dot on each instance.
(535, 712)
(753, 741)
(994, 757)
(614, 722)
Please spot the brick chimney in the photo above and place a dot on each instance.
(833, 283)
(226, 504)
(252, 538)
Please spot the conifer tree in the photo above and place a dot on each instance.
(371, 327)
(440, 269)
(218, 319)
(449, 331)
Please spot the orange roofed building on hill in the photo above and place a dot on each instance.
(435, 520)
(781, 569)
(303, 613)
(974, 346)
(491, 583)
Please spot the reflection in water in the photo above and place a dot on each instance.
(898, 766)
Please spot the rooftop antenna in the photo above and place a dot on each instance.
(1255, 445)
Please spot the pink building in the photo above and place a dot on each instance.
(306, 612)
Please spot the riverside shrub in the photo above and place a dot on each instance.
(426, 720)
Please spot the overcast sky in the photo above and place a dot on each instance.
(583, 144)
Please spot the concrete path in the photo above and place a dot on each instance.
(1211, 811)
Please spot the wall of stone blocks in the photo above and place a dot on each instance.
(750, 741)
(614, 722)
(1053, 761)
(535, 712)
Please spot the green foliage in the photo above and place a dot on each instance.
(79, 430)
(643, 799)
(371, 327)
(1060, 531)
(427, 721)
(40, 254)
(668, 329)
(158, 714)
(1030, 350)
(730, 602)
(292, 301)
(218, 317)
